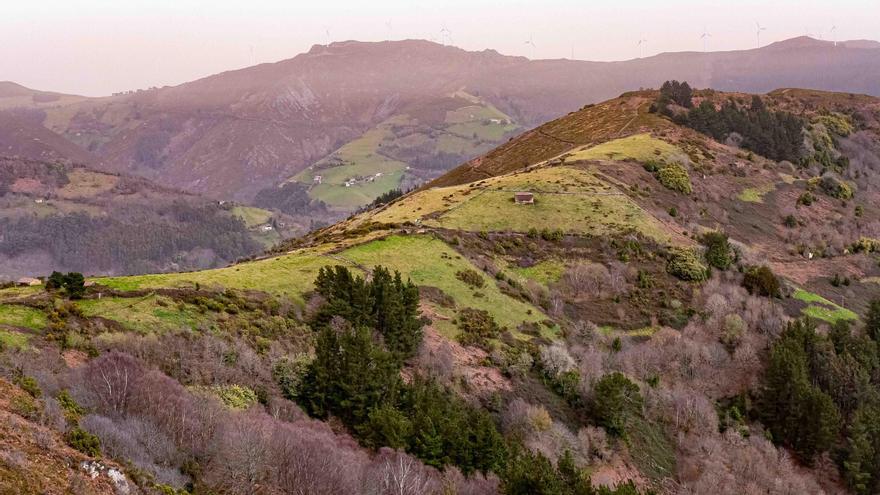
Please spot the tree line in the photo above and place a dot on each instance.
(130, 242)
(777, 135)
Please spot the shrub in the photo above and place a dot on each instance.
(553, 235)
(235, 396)
(72, 410)
(806, 199)
(866, 245)
(29, 385)
(616, 400)
(760, 280)
(718, 251)
(686, 265)
(24, 405)
(84, 442)
(470, 277)
(74, 285)
(477, 327)
(289, 374)
(790, 221)
(733, 330)
(675, 177)
(832, 186)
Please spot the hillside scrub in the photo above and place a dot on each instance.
(761, 281)
(477, 327)
(686, 264)
(675, 177)
(719, 253)
(831, 186)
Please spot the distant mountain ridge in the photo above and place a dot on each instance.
(236, 133)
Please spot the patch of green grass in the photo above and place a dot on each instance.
(356, 159)
(290, 275)
(11, 293)
(756, 194)
(651, 449)
(586, 213)
(823, 309)
(147, 314)
(640, 147)
(545, 272)
(13, 340)
(429, 261)
(573, 199)
(252, 216)
(22, 316)
(360, 193)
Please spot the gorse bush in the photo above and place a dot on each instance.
(686, 264)
(84, 442)
(832, 186)
(675, 177)
(471, 277)
(477, 327)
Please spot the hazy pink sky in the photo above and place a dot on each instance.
(95, 47)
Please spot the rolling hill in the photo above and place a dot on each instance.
(356, 109)
(58, 216)
(633, 317)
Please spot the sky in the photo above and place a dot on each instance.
(98, 47)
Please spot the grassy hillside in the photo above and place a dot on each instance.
(588, 126)
(405, 149)
(622, 317)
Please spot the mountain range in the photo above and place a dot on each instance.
(312, 139)
(233, 134)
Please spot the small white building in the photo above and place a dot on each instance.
(29, 282)
(318, 179)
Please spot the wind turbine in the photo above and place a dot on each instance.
(705, 37)
(758, 29)
(531, 43)
(642, 44)
(445, 35)
(327, 32)
(388, 26)
(831, 33)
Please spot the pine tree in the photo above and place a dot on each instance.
(872, 321)
(616, 400)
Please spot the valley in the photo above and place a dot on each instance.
(668, 290)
